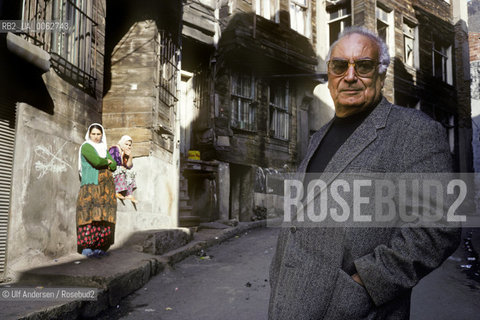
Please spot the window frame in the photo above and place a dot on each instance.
(306, 31)
(73, 53)
(241, 119)
(273, 9)
(445, 52)
(415, 63)
(279, 116)
(342, 19)
(390, 23)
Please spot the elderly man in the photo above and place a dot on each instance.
(361, 273)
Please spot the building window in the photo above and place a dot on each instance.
(279, 111)
(300, 17)
(385, 28)
(340, 17)
(243, 107)
(442, 61)
(169, 58)
(72, 52)
(268, 9)
(410, 43)
(74, 46)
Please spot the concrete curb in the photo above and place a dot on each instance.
(113, 289)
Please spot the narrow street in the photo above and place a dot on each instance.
(231, 282)
(453, 290)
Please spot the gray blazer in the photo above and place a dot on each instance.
(310, 275)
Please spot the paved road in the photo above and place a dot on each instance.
(231, 285)
(449, 293)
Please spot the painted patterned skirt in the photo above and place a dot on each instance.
(97, 213)
(124, 180)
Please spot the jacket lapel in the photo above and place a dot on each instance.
(363, 136)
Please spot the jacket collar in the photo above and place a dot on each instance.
(364, 135)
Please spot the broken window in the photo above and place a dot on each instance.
(300, 17)
(410, 42)
(340, 17)
(279, 111)
(243, 107)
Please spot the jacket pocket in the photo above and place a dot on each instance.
(349, 300)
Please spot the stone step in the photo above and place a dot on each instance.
(184, 202)
(184, 194)
(190, 221)
(186, 207)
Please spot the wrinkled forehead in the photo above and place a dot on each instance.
(355, 46)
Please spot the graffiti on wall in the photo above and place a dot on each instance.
(50, 161)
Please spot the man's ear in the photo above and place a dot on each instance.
(382, 78)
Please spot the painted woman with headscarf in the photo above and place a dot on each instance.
(96, 203)
(124, 176)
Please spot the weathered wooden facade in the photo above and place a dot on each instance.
(428, 44)
(255, 64)
(142, 73)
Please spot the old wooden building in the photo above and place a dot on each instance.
(120, 69)
(142, 73)
(428, 42)
(254, 66)
(219, 96)
(253, 70)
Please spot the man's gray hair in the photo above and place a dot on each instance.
(384, 56)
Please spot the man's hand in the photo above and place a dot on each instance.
(357, 279)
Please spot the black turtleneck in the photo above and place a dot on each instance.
(335, 137)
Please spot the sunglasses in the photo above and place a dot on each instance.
(363, 67)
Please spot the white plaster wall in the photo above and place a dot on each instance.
(322, 109)
(157, 193)
(322, 44)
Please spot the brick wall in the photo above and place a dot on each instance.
(474, 44)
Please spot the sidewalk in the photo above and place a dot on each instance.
(124, 271)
